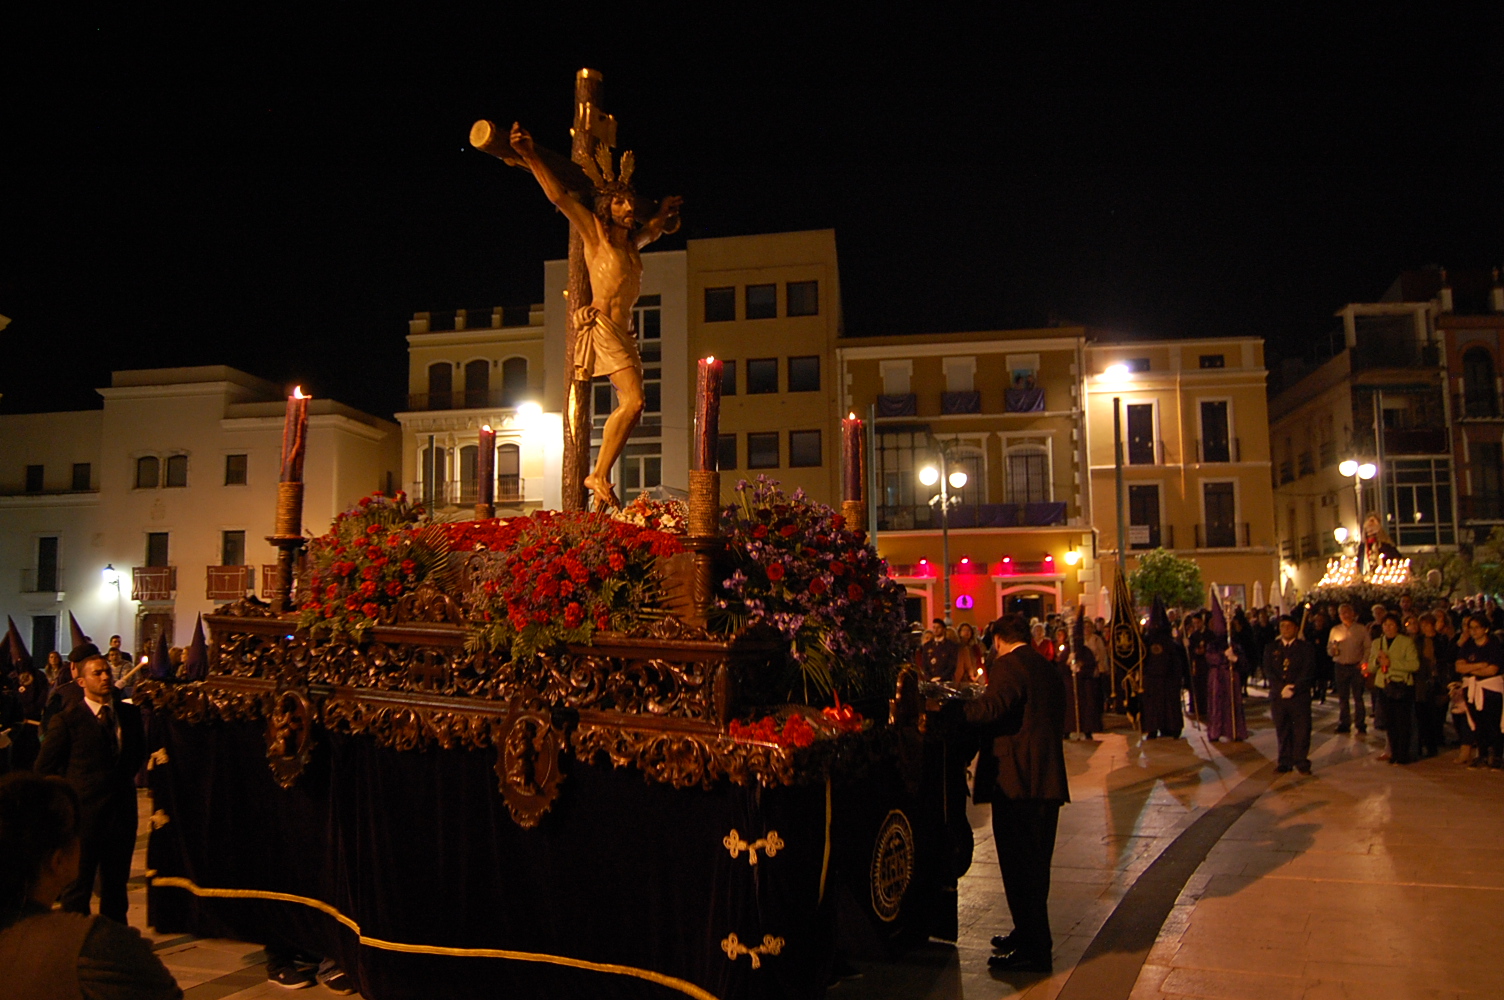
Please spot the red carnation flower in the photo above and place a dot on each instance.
(761, 531)
(775, 571)
(394, 588)
(369, 609)
(372, 529)
(374, 552)
(838, 522)
(837, 567)
(788, 530)
(409, 567)
(573, 614)
(365, 501)
(855, 592)
(817, 586)
(369, 573)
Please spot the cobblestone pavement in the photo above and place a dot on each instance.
(1188, 869)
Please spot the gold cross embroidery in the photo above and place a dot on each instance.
(733, 948)
(769, 845)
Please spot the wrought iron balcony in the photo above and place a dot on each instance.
(41, 581)
(465, 399)
(922, 517)
(1223, 535)
(509, 490)
(1223, 450)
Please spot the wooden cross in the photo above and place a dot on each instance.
(592, 130)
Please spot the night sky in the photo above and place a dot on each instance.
(279, 192)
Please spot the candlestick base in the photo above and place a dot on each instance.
(281, 587)
(855, 513)
(704, 502)
(289, 519)
(485, 511)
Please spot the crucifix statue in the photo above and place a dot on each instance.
(605, 276)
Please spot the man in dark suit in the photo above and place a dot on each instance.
(1290, 663)
(1021, 771)
(69, 690)
(97, 744)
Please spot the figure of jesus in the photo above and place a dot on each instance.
(605, 343)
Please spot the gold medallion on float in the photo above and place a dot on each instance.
(892, 865)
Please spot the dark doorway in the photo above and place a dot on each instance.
(1028, 605)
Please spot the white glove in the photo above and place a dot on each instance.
(1288, 691)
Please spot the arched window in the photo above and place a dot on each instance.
(440, 385)
(513, 381)
(434, 475)
(1028, 474)
(509, 473)
(469, 473)
(1479, 395)
(148, 472)
(477, 383)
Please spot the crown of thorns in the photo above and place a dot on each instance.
(605, 177)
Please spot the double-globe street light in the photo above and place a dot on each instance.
(948, 480)
(1360, 472)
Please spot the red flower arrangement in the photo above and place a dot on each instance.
(373, 553)
(552, 579)
(795, 732)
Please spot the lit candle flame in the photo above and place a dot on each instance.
(851, 416)
(297, 392)
(485, 427)
(711, 358)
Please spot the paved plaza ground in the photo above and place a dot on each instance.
(1189, 869)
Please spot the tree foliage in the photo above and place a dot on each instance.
(1174, 580)
(1488, 563)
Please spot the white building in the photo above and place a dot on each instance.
(139, 516)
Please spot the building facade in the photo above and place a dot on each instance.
(139, 516)
(1192, 419)
(1004, 408)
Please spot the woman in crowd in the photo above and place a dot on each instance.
(1041, 641)
(1480, 660)
(1394, 663)
(971, 659)
(1432, 683)
(57, 671)
(48, 954)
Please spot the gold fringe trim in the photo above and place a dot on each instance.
(825, 863)
(687, 988)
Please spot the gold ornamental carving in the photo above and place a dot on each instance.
(289, 735)
(734, 949)
(769, 845)
(892, 865)
(527, 761)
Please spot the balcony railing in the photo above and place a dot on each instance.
(903, 404)
(1222, 536)
(509, 490)
(912, 517)
(1224, 450)
(35, 581)
(1308, 547)
(464, 399)
(1328, 453)
(227, 583)
(1145, 453)
(961, 402)
(1329, 546)
(154, 583)
(1287, 550)
(1286, 473)
(1151, 536)
(1306, 464)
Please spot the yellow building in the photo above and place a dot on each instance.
(1004, 408)
(769, 306)
(1194, 426)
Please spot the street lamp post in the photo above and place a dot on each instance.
(929, 476)
(1359, 471)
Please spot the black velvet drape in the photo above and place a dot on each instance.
(418, 851)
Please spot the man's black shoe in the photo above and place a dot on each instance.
(1304, 769)
(1362, 730)
(1020, 961)
(1342, 729)
(1003, 942)
(1282, 769)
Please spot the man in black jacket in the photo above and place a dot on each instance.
(97, 744)
(1289, 663)
(1021, 771)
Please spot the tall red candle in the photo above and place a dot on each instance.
(486, 466)
(707, 443)
(294, 436)
(854, 472)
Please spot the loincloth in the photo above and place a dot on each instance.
(601, 347)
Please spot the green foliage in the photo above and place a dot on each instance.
(1174, 580)
(1488, 563)
(1454, 567)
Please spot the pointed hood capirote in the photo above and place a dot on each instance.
(196, 659)
(76, 633)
